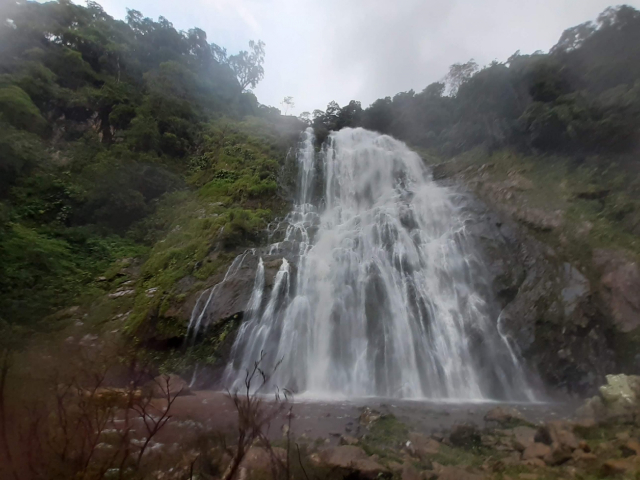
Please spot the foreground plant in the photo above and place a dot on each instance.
(84, 427)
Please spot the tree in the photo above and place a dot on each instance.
(458, 74)
(248, 65)
(287, 103)
(350, 115)
(305, 117)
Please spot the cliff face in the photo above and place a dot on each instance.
(569, 300)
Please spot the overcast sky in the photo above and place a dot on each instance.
(323, 50)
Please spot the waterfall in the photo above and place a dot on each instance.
(386, 296)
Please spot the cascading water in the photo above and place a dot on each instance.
(386, 295)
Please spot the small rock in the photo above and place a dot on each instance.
(348, 440)
(558, 432)
(591, 409)
(423, 446)
(617, 467)
(523, 437)
(503, 415)
(150, 292)
(580, 455)
(536, 450)
(623, 436)
(489, 441)
(369, 416)
(567, 439)
(632, 447)
(534, 462)
(121, 293)
(558, 455)
(584, 446)
(88, 340)
(353, 458)
(409, 472)
(369, 469)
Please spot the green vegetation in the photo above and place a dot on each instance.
(474, 457)
(385, 438)
(387, 431)
(126, 140)
(597, 195)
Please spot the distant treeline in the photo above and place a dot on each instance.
(582, 97)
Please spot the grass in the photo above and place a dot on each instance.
(473, 457)
(385, 438)
(599, 204)
(60, 266)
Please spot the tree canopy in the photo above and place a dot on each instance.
(583, 96)
(99, 120)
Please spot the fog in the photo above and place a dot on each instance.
(318, 51)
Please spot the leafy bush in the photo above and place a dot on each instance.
(18, 109)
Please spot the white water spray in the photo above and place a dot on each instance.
(386, 296)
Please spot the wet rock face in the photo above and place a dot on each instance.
(620, 287)
(231, 294)
(555, 316)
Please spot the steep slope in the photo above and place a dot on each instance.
(566, 262)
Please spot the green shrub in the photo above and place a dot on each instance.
(18, 109)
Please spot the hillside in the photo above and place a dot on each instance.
(115, 134)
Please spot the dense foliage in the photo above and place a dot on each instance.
(582, 97)
(100, 119)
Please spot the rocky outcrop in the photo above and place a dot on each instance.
(620, 287)
(354, 459)
(547, 306)
(565, 316)
(618, 399)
